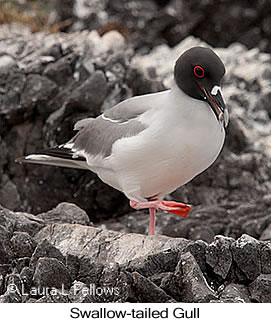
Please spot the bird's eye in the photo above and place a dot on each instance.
(199, 72)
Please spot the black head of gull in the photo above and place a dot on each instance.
(199, 72)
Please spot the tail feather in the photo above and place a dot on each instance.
(58, 156)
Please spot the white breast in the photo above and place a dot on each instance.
(183, 139)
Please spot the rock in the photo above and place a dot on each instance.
(266, 234)
(111, 285)
(59, 70)
(154, 264)
(80, 293)
(20, 221)
(123, 291)
(14, 283)
(57, 296)
(38, 90)
(8, 189)
(73, 265)
(234, 293)
(26, 275)
(194, 286)
(260, 289)
(246, 255)
(198, 251)
(105, 246)
(147, 292)
(3, 158)
(59, 79)
(46, 249)
(10, 297)
(89, 271)
(23, 244)
(187, 283)
(50, 272)
(65, 213)
(13, 290)
(6, 62)
(219, 256)
(90, 94)
(114, 40)
(54, 296)
(265, 256)
(6, 253)
(20, 263)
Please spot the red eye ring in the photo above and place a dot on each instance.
(199, 71)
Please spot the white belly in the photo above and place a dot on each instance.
(164, 157)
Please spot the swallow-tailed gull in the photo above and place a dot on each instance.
(149, 145)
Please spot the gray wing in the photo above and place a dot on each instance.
(128, 109)
(97, 136)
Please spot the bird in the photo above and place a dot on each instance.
(149, 145)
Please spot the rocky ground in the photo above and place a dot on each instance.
(92, 247)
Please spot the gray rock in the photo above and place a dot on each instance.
(20, 221)
(3, 157)
(57, 296)
(102, 284)
(57, 79)
(198, 251)
(187, 283)
(26, 275)
(219, 256)
(60, 71)
(6, 253)
(194, 286)
(23, 244)
(46, 249)
(105, 246)
(50, 272)
(147, 292)
(90, 94)
(260, 289)
(6, 62)
(154, 264)
(9, 195)
(265, 256)
(246, 255)
(13, 290)
(38, 90)
(266, 234)
(73, 264)
(54, 296)
(14, 283)
(89, 271)
(10, 297)
(20, 263)
(65, 213)
(234, 293)
(80, 293)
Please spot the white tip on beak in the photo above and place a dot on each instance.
(215, 89)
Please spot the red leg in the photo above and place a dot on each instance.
(169, 206)
(152, 221)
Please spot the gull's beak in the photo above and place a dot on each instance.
(216, 102)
